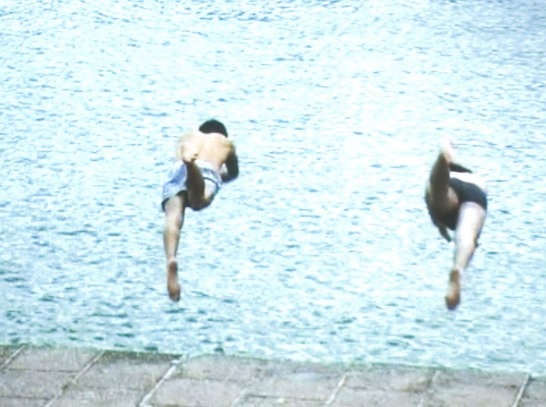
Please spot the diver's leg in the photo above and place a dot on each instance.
(195, 185)
(174, 219)
(201, 191)
(442, 196)
(469, 225)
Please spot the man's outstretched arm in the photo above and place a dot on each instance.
(443, 231)
(442, 228)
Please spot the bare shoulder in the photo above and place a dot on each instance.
(189, 137)
(222, 141)
(218, 136)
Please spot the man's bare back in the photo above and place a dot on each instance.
(214, 148)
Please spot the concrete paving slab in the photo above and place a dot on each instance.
(471, 388)
(300, 384)
(58, 359)
(113, 370)
(535, 393)
(32, 383)
(384, 386)
(22, 402)
(115, 379)
(184, 392)
(403, 379)
(258, 401)
(217, 367)
(6, 352)
(351, 397)
(98, 397)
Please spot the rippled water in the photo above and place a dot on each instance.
(322, 249)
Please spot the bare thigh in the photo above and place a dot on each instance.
(174, 209)
(470, 222)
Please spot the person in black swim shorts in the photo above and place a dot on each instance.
(456, 199)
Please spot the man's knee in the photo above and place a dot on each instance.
(173, 220)
(199, 204)
(174, 213)
(466, 243)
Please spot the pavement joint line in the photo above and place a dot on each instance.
(79, 374)
(173, 365)
(11, 357)
(427, 393)
(240, 396)
(337, 389)
(423, 399)
(436, 373)
(521, 390)
(245, 390)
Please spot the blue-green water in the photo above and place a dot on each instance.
(322, 249)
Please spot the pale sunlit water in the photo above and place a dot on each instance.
(322, 249)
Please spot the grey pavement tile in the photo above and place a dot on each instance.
(472, 397)
(58, 359)
(300, 384)
(121, 369)
(224, 368)
(6, 352)
(535, 393)
(354, 397)
(22, 402)
(111, 397)
(470, 388)
(257, 401)
(32, 384)
(390, 378)
(182, 392)
(532, 403)
(284, 367)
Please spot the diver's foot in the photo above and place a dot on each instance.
(190, 155)
(453, 295)
(173, 287)
(446, 147)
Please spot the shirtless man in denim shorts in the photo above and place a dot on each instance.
(205, 160)
(456, 199)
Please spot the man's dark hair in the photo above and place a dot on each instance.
(213, 126)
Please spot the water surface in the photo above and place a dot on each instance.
(322, 249)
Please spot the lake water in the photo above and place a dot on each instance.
(322, 249)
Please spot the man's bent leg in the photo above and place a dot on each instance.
(174, 219)
(442, 198)
(195, 185)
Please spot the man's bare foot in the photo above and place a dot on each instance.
(446, 147)
(190, 155)
(453, 295)
(172, 280)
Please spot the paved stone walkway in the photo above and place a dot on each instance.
(56, 377)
